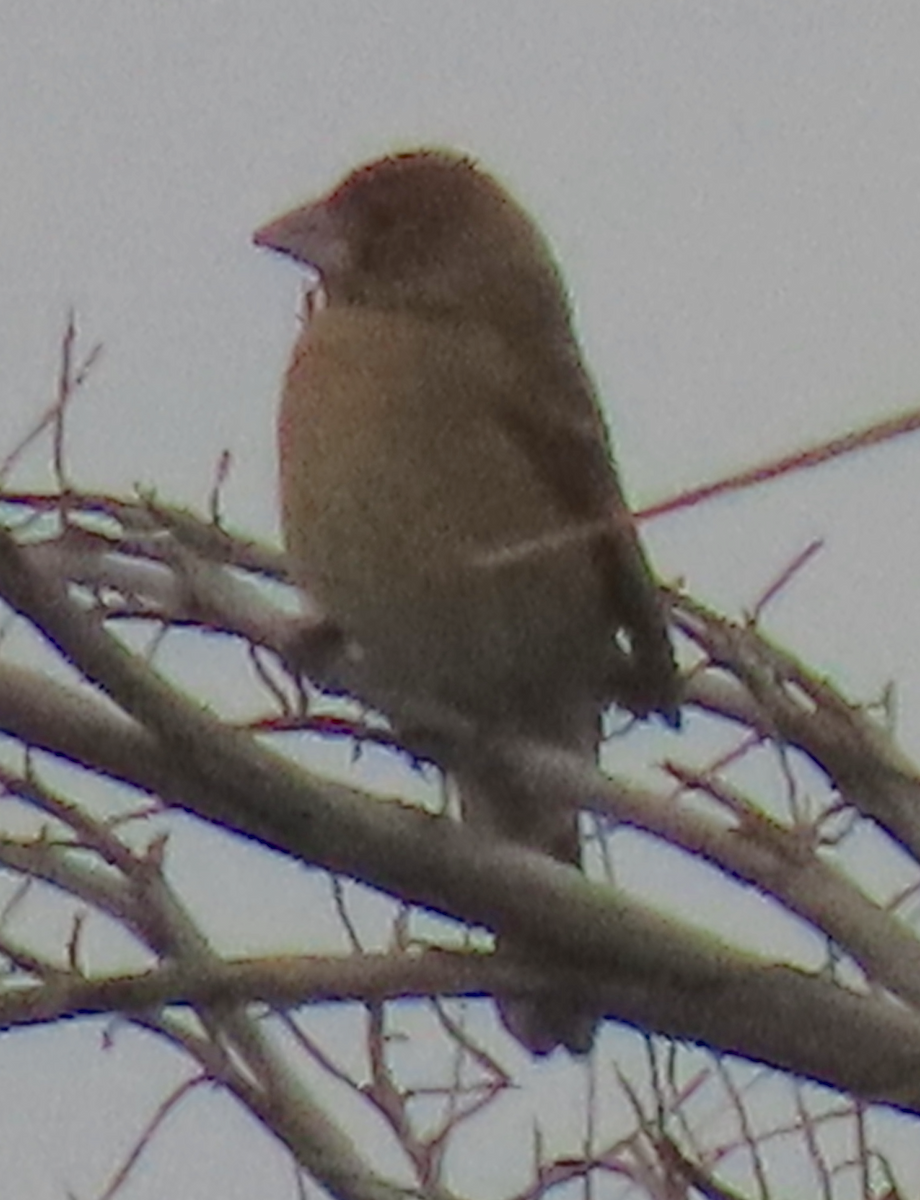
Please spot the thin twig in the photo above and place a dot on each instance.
(798, 460)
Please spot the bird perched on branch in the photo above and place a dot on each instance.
(448, 493)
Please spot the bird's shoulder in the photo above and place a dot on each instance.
(399, 341)
(534, 382)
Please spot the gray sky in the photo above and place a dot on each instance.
(731, 186)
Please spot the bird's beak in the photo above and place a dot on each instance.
(309, 235)
(287, 234)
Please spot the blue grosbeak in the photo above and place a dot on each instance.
(448, 493)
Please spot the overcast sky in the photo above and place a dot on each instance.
(732, 187)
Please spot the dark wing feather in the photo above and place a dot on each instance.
(569, 447)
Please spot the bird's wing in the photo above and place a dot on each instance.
(569, 447)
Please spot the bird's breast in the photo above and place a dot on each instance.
(404, 498)
(390, 438)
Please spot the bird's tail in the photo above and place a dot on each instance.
(514, 811)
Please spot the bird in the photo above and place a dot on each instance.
(449, 496)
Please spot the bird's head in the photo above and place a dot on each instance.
(426, 230)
